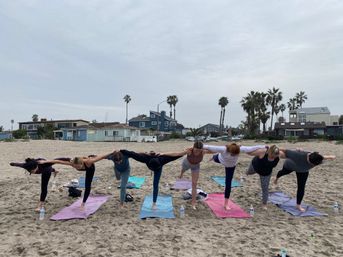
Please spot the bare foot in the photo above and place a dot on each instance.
(300, 208)
(275, 181)
(37, 209)
(227, 207)
(264, 207)
(82, 207)
(154, 206)
(194, 207)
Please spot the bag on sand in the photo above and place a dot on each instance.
(74, 192)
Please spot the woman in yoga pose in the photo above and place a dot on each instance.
(82, 164)
(155, 162)
(301, 162)
(228, 156)
(192, 162)
(33, 166)
(262, 164)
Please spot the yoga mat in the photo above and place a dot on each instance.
(288, 204)
(221, 181)
(82, 181)
(73, 211)
(135, 182)
(182, 184)
(216, 203)
(165, 209)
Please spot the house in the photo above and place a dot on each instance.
(307, 129)
(334, 131)
(313, 114)
(32, 126)
(102, 132)
(5, 135)
(209, 128)
(158, 121)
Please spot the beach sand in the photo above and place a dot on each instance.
(119, 232)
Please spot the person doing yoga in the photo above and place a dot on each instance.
(301, 162)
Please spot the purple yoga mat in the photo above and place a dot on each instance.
(182, 184)
(73, 211)
(216, 203)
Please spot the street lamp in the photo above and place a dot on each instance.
(158, 116)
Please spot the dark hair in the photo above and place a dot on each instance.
(154, 164)
(30, 164)
(117, 157)
(198, 145)
(315, 158)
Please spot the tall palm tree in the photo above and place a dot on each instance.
(282, 108)
(12, 121)
(170, 102)
(249, 104)
(223, 102)
(274, 96)
(292, 104)
(174, 102)
(264, 117)
(127, 99)
(301, 97)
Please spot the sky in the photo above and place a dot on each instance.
(77, 59)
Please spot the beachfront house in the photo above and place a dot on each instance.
(157, 121)
(313, 114)
(31, 127)
(5, 135)
(102, 132)
(209, 128)
(300, 129)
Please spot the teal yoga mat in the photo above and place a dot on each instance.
(221, 181)
(135, 182)
(165, 209)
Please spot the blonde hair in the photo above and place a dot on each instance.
(273, 151)
(233, 148)
(77, 160)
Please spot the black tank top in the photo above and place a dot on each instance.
(263, 166)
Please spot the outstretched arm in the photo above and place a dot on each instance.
(260, 153)
(329, 157)
(176, 154)
(96, 158)
(56, 161)
(249, 149)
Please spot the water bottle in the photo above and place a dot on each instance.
(41, 213)
(182, 211)
(251, 211)
(336, 207)
(283, 252)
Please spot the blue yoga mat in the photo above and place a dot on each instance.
(135, 182)
(165, 209)
(221, 181)
(82, 181)
(288, 204)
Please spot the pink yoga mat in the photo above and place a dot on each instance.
(216, 203)
(73, 211)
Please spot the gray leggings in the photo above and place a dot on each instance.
(124, 177)
(264, 183)
(265, 187)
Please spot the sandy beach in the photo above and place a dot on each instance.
(119, 232)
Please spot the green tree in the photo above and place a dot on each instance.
(300, 97)
(340, 121)
(249, 104)
(282, 108)
(1, 128)
(19, 133)
(223, 102)
(127, 99)
(46, 131)
(174, 102)
(292, 104)
(274, 96)
(35, 117)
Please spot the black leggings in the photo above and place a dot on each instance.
(301, 180)
(44, 184)
(88, 181)
(229, 171)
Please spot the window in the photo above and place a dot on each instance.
(154, 122)
(166, 123)
(142, 124)
(106, 133)
(152, 116)
(293, 115)
(115, 133)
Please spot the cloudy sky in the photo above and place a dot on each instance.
(77, 59)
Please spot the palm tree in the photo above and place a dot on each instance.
(35, 117)
(127, 99)
(300, 98)
(292, 104)
(282, 108)
(274, 96)
(223, 101)
(264, 117)
(249, 104)
(12, 121)
(174, 102)
(170, 102)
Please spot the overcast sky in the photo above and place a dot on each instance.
(77, 59)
